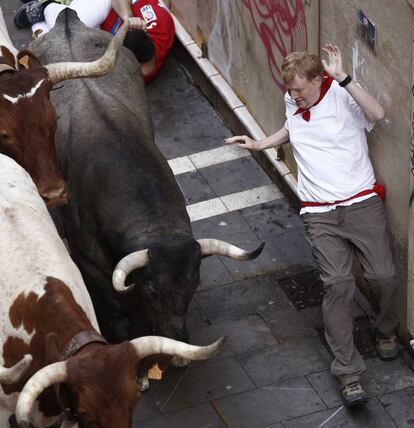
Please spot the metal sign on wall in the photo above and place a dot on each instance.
(366, 30)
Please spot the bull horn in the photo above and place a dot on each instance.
(42, 379)
(150, 345)
(13, 374)
(69, 424)
(132, 261)
(210, 247)
(104, 65)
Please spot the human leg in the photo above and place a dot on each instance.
(92, 12)
(51, 12)
(334, 254)
(348, 364)
(32, 12)
(371, 239)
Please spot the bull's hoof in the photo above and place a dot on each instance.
(143, 383)
(179, 362)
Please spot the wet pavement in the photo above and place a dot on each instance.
(273, 370)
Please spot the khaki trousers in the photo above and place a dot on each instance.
(335, 237)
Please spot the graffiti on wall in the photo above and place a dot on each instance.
(281, 25)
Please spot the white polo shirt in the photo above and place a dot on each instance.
(331, 150)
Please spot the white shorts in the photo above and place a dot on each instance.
(91, 12)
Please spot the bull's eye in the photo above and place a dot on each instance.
(152, 293)
(5, 137)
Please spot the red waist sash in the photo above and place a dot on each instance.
(378, 189)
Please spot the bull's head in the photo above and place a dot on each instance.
(28, 118)
(100, 380)
(167, 276)
(27, 126)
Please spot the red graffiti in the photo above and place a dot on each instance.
(281, 24)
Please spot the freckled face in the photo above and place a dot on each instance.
(303, 91)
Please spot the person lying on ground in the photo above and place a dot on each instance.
(150, 39)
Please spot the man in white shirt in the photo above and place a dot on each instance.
(327, 116)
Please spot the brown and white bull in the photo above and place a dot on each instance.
(48, 330)
(28, 118)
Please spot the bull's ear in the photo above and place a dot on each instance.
(27, 60)
(51, 349)
(7, 58)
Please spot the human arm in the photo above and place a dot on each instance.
(123, 9)
(277, 139)
(372, 109)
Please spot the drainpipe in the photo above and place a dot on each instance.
(234, 103)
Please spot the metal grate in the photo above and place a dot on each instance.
(304, 290)
(364, 338)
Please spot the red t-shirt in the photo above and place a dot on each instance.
(160, 27)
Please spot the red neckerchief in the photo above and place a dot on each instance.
(326, 84)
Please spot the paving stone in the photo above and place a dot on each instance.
(195, 385)
(304, 289)
(268, 405)
(289, 324)
(194, 187)
(184, 121)
(235, 176)
(380, 378)
(371, 415)
(171, 81)
(327, 388)
(242, 336)
(272, 218)
(195, 317)
(145, 408)
(229, 227)
(253, 296)
(285, 361)
(202, 416)
(387, 376)
(400, 406)
(213, 273)
(285, 253)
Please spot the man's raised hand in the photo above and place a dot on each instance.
(334, 64)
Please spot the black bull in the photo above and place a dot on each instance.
(123, 196)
